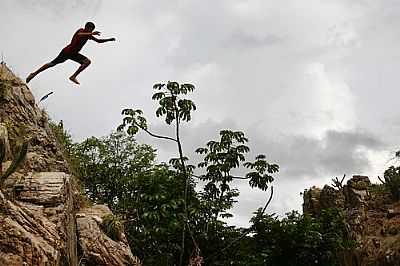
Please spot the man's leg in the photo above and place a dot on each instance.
(61, 57)
(42, 68)
(84, 61)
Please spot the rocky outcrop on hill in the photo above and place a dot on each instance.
(373, 219)
(40, 220)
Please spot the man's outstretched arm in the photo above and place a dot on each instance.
(89, 33)
(102, 40)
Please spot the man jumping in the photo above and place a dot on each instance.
(71, 51)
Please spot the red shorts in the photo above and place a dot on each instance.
(64, 56)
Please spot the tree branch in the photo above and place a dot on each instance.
(338, 183)
(269, 200)
(239, 177)
(247, 230)
(233, 177)
(157, 136)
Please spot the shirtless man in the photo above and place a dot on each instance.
(71, 51)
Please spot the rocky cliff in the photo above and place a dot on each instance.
(372, 216)
(41, 222)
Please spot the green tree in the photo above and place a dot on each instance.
(220, 158)
(148, 197)
(107, 166)
(299, 239)
(155, 232)
(392, 181)
(174, 110)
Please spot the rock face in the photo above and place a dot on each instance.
(106, 252)
(311, 201)
(38, 203)
(372, 217)
(28, 237)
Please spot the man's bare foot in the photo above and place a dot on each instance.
(73, 79)
(31, 76)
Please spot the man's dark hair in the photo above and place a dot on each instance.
(89, 25)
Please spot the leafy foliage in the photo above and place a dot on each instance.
(392, 181)
(67, 146)
(3, 88)
(2, 150)
(157, 227)
(170, 105)
(300, 239)
(134, 120)
(62, 136)
(220, 159)
(149, 200)
(172, 108)
(17, 161)
(112, 227)
(147, 196)
(108, 165)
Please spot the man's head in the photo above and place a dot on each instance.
(89, 26)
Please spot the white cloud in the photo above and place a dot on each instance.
(288, 73)
(331, 99)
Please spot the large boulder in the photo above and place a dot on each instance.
(356, 191)
(331, 198)
(97, 247)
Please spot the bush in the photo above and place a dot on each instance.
(392, 181)
(17, 161)
(112, 227)
(300, 239)
(2, 89)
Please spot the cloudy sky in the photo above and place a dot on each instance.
(313, 84)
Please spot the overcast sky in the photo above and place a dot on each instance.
(313, 84)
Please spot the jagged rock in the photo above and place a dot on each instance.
(43, 214)
(392, 213)
(316, 199)
(331, 198)
(24, 120)
(359, 182)
(38, 203)
(26, 236)
(356, 220)
(44, 188)
(356, 191)
(97, 247)
(311, 201)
